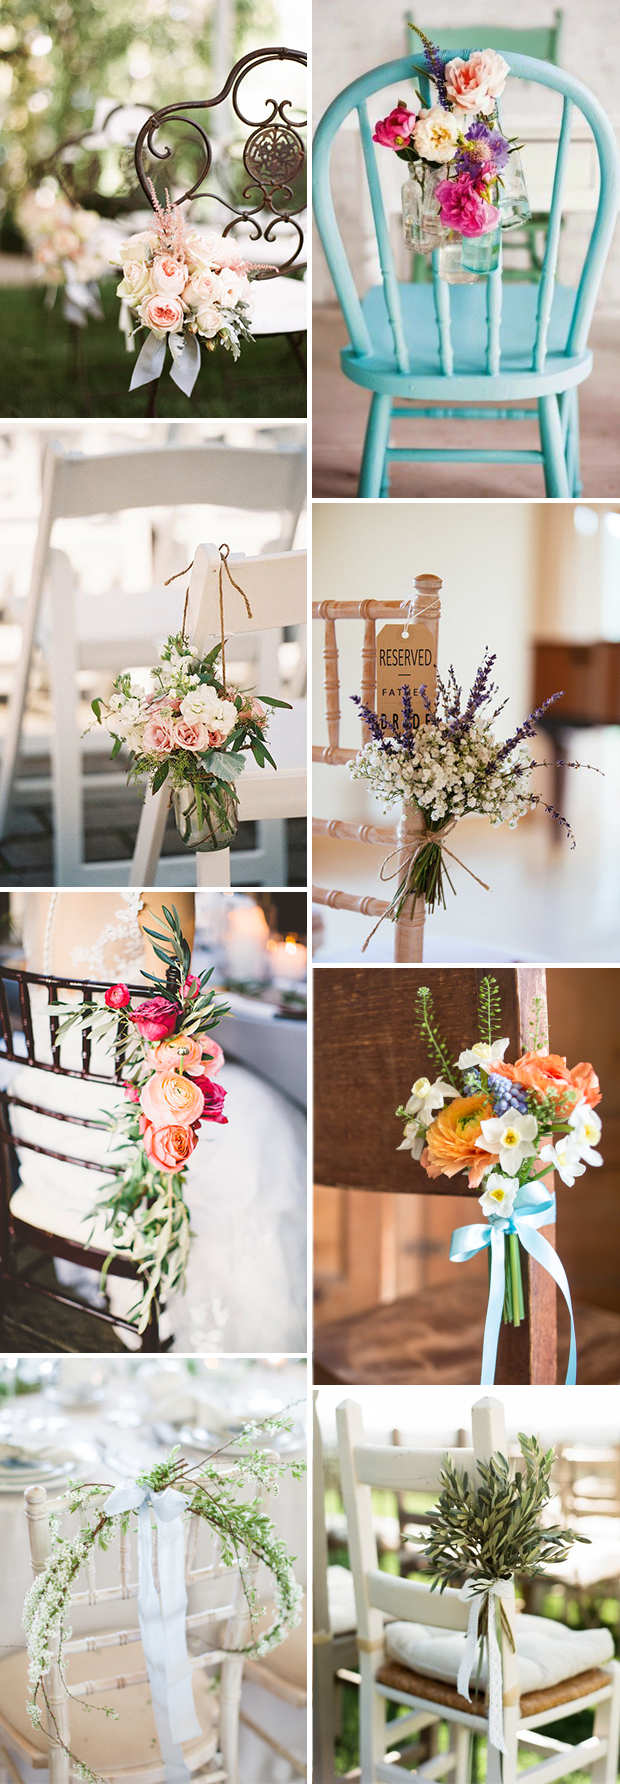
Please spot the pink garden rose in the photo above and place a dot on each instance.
(178, 1052)
(475, 84)
(396, 131)
(213, 1101)
(462, 208)
(155, 1018)
(212, 1058)
(253, 709)
(158, 737)
(117, 997)
(170, 1148)
(171, 1097)
(190, 735)
(165, 315)
(132, 1093)
(169, 275)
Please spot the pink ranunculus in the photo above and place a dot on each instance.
(179, 1052)
(155, 1018)
(213, 1095)
(212, 1058)
(191, 986)
(169, 275)
(158, 736)
(190, 734)
(117, 997)
(396, 131)
(171, 1147)
(467, 82)
(171, 1097)
(163, 314)
(461, 207)
(132, 1093)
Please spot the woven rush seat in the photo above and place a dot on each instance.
(533, 1703)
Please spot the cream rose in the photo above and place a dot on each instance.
(141, 246)
(135, 284)
(165, 315)
(169, 275)
(436, 134)
(208, 320)
(204, 288)
(235, 288)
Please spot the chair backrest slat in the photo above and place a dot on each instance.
(386, 257)
(415, 1603)
(441, 298)
(418, 1471)
(494, 320)
(547, 279)
(369, 666)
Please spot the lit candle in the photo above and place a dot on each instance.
(288, 959)
(247, 933)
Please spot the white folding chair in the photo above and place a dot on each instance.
(127, 1751)
(81, 632)
(276, 590)
(388, 1671)
(334, 1634)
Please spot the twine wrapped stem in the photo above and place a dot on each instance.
(420, 867)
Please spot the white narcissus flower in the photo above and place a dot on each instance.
(587, 1129)
(414, 1140)
(482, 1054)
(498, 1196)
(426, 1098)
(511, 1135)
(564, 1157)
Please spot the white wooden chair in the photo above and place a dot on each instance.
(276, 590)
(587, 1682)
(334, 1634)
(425, 610)
(283, 1674)
(127, 1751)
(78, 632)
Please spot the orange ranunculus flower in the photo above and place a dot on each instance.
(177, 1053)
(451, 1140)
(169, 1147)
(170, 1097)
(549, 1074)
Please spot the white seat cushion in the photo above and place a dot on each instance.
(341, 1600)
(547, 1652)
(280, 306)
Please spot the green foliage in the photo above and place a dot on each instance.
(539, 1037)
(489, 1009)
(428, 1031)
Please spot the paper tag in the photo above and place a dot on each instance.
(404, 661)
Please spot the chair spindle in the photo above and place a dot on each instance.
(332, 688)
(547, 278)
(386, 257)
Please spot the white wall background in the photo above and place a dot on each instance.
(352, 38)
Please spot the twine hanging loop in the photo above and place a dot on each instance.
(224, 554)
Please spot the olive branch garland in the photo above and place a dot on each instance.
(246, 1535)
(489, 1531)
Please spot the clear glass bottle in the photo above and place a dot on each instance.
(206, 813)
(481, 253)
(421, 223)
(512, 198)
(450, 265)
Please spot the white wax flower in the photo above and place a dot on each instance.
(482, 1054)
(511, 1135)
(564, 1157)
(498, 1196)
(587, 1128)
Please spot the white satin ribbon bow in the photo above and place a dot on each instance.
(162, 1618)
(468, 1593)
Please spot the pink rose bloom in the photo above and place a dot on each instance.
(462, 208)
(178, 1053)
(158, 737)
(222, 251)
(169, 275)
(190, 734)
(213, 1101)
(163, 314)
(395, 131)
(171, 702)
(132, 1093)
(212, 1059)
(493, 69)
(155, 1018)
(171, 1097)
(205, 287)
(117, 997)
(170, 1148)
(467, 83)
(217, 735)
(191, 986)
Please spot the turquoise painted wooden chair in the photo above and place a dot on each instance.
(469, 351)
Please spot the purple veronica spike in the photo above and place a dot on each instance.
(527, 729)
(436, 65)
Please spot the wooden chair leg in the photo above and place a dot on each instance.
(556, 475)
(460, 1745)
(372, 1719)
(230, 1698)
(375, 446)
(323, 1715)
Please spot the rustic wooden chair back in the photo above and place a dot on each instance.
(232, 1627)
(15, 1032)
(275, 586)
(426, 606)
(362, 1015)
(365, 1466)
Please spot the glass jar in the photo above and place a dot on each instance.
(206, 814)
(481, 253)
(513, 201)
(421, 223)
(450, 265)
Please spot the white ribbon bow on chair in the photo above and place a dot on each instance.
(162, 1618)
(469, 1594)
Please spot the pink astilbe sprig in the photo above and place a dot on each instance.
(172, 225)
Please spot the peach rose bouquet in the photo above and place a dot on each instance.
(167, 1062)
(183, 288)
(505, 1128)
(193, 732)
(70, 248)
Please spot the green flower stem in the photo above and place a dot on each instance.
(508, 1300)
(516, 1279)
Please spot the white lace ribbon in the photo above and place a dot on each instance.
(469, 1594)
(162, 1618)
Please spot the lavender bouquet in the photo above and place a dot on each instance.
(451, 766)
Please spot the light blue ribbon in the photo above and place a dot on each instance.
(162, 1618)
(467, 1241)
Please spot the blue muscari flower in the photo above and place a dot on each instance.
(506, 1095)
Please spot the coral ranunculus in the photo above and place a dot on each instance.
(179, 1052)
(155, 1018)
(212, 1058)
(451, 1140)
(171, 1097)
(548, 1075)
(169, 1148)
